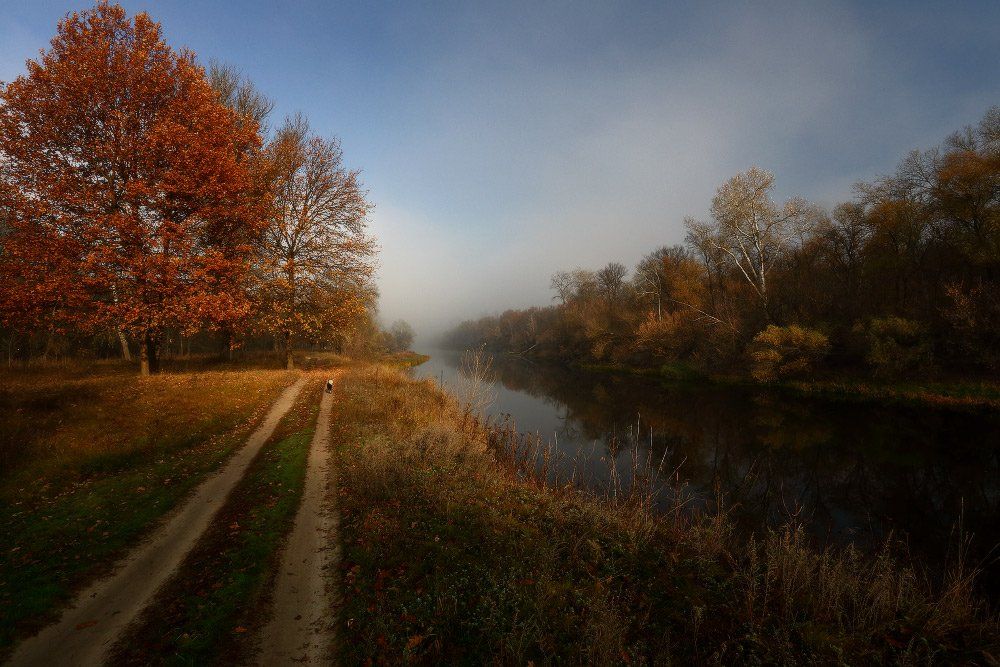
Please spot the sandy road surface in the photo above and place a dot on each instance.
(101, 612)
(301, 625)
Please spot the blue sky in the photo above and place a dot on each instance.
(503, 141)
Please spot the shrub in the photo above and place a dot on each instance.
(674, 335)
(973, 316)
(778, 353)
(894, 346)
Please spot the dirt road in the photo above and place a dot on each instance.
(102, 611)
(301, 626)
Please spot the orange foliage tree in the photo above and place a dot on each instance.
(316, 259)
(130, 201)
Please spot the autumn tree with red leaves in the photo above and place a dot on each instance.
(129, 199)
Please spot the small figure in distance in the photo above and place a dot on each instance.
(329, 386)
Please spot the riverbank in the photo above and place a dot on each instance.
(406, 359)
(455, 550)
(975, 395)
(454, 547)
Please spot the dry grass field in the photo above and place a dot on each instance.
(92, 455)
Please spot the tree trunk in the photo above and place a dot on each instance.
(126, 354)
(228, 339)
(148, 362)
(289, 362)
(144, 356)
(48, 346)
(154, 359)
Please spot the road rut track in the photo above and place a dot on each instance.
(301, 628)
(99, 614)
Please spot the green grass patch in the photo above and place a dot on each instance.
(210, 609)
(103, 465)
(48, 548)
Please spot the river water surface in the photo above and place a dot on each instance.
(849, 471)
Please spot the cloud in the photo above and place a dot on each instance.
(557, 141)
(557, 164)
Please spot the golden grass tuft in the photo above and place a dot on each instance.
(51, 419)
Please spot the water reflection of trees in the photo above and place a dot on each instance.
(848, 470)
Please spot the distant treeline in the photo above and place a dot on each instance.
(903, 279)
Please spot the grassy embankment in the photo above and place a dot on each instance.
(211, 610)
(91, 456)
(976, 395)
(406, 359)
(454, 551)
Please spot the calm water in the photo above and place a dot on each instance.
(849, 471)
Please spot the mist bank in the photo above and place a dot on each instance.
(900, 282)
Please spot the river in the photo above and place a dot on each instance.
(848, 471)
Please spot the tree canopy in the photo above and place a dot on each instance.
(138, 196)
(903, 278)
